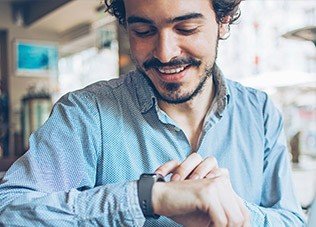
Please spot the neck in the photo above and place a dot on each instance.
(190, 115)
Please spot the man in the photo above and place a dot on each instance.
(221, 143)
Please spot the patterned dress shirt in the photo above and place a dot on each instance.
(83, 163)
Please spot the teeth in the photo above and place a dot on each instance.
(171, 71)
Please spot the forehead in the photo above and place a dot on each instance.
(158, 10)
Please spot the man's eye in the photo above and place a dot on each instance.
(188, 31)
(144, 33)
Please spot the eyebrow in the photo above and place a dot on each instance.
(186, 17)
(189, 16)
(136, 19)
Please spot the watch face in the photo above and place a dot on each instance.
(156, 176)
(148, 174)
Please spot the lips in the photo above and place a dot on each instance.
(172, 74)
(171, 70)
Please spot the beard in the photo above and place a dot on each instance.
(173, 94)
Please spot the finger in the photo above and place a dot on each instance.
(217, 172)
(186, 167)
(244, 211)
(217, 213)
(167, 168)
(233, 211)
(206, 166)
(228, 199)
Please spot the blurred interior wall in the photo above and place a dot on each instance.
(18, 85)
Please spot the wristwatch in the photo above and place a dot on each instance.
(144, 189)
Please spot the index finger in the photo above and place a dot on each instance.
(167, 168)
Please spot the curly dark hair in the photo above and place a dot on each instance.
(222, 9)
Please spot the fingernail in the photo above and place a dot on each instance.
(176, 177)
(195, 177)
(157, 172)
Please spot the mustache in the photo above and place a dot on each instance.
(155, 63)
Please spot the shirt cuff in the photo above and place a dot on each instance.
(256, 215)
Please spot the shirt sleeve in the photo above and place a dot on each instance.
(278, 206)
(54, 183)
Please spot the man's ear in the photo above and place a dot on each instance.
(224, 27)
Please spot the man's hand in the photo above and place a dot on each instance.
(193, 167)
(203, 202)
(206, 200)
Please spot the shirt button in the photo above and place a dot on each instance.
(177, 129)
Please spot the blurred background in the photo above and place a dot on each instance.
(48, 48)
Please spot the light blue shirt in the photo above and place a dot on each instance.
(83, 163)
(312, 214)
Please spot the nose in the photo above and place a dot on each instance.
(166, 47)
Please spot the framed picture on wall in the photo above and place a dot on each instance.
(35, 58)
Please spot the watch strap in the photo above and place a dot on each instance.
(144, 187)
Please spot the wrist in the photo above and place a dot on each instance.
(157, 197)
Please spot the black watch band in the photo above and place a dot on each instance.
(144, 188)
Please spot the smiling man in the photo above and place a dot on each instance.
(103, 155)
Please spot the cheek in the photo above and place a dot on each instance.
(202, 47)
(139, 49)
(207, 49)
(200, 50)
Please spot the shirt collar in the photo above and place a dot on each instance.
(222, 92)
(145, 94)
(147, 99)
